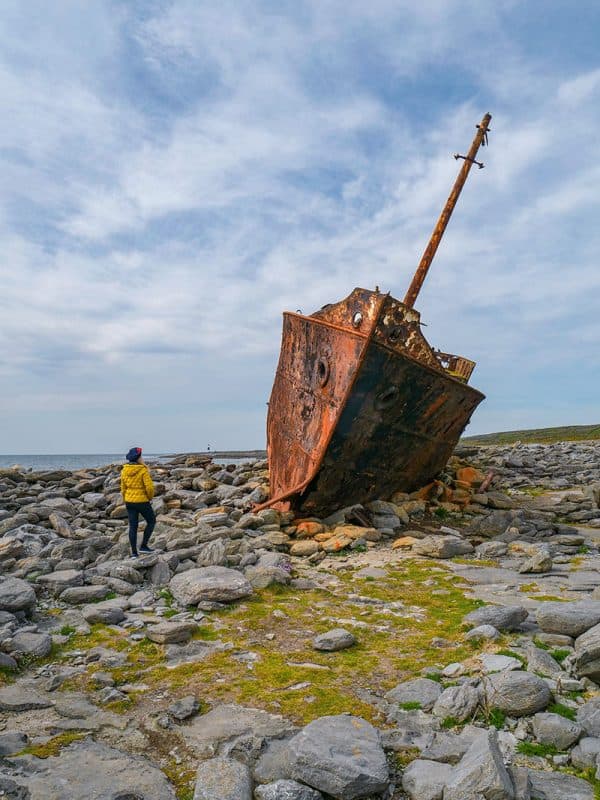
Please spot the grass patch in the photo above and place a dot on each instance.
(67, 630)
(536, 749)
(564, 711)
(449, 722)
(512, 654)
(542, 645)
(395, 644)
(560, 655)
(571, 433)
(414, 705)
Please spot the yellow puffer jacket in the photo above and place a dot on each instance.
(136, 484)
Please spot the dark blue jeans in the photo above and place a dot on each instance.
(133, 512)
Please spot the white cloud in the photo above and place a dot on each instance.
(202, 167)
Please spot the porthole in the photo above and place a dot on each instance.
(387, 398)
(357, 320)
(322, 371)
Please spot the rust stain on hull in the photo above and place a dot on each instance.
(358, 412)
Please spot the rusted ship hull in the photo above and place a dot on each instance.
(361, 406)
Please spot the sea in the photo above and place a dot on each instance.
(74, 461)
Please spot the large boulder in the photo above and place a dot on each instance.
(586, 662)
(341, 756)
(547, 785)
(27, 643)
(481, 773)
(16, 595)
(555, 730)
(223, 779)
(218, 584)
(503, 618)
(588, 716)
(519, 694)
(571, 619)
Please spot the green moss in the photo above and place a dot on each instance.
(54, 745)
(67, 630)
(412, 706)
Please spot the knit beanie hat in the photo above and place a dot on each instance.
(133, 455)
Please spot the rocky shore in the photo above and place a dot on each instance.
(440, 645)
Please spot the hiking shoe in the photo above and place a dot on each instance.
(134, 555)
(146, 549)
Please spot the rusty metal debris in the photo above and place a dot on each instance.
(362, 406)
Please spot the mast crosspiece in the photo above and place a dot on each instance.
(436, 237)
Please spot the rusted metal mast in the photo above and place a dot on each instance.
(438, 231)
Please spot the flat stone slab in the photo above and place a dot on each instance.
(88, 770)
(171, 632)
(22, 697)
(223, 779)
(218, 731)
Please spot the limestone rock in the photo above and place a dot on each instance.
(480, 773)
(89, 770)
(571, 619)
(546, 785)
(36, 645)
(340, 756)
(425, 780)
(586, 662)
(107, 611)
(459, 702)
(16, 595)
(442, 546)
(223, 779)
(336, 639)
(519, 694)
(555, 730)
(586, 753)
(419, 690)
(588, 716)
(171, 631)
(184, 708)
(503, 618)
(218, 584)
(286, 790)
(229, 726)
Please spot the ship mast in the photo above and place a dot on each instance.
(436, 237)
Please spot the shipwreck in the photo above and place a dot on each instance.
(362, 406)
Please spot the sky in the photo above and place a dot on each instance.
(177, 174)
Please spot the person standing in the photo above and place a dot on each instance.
(137, 489)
